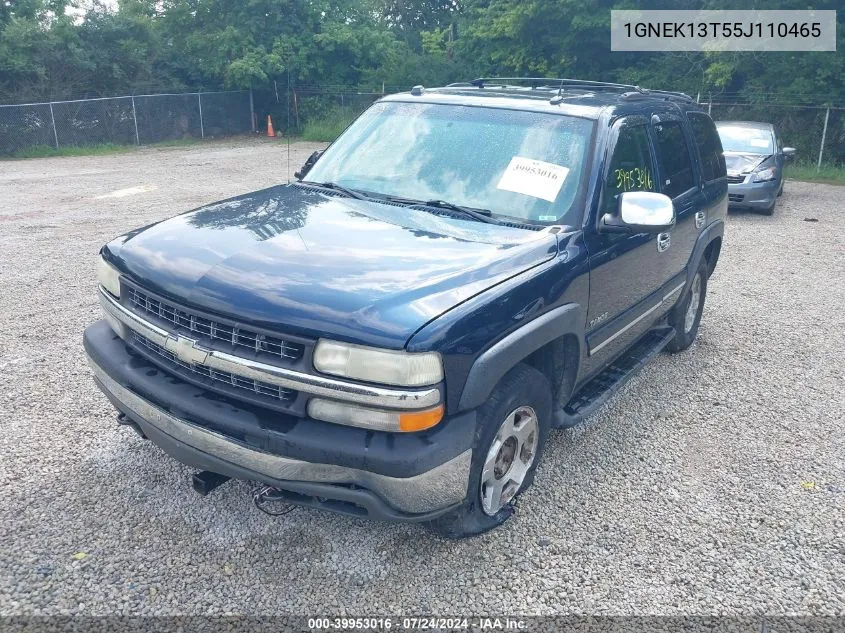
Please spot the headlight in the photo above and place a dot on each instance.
(764, 175)
(375, 419)
(378, 365)
(108, 276)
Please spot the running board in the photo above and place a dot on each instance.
(600, 389)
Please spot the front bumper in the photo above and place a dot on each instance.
(753, 195)
(399, 477)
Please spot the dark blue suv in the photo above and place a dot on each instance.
(395, 334)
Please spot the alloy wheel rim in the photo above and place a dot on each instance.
(694, 302)
(509, 459)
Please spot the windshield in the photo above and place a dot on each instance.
(746, 140)
(523, 165)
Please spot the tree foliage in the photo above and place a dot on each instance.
(53, 49)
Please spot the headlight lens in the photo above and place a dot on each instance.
(375, 419)
(108, 277)
(378, 365)
(764, 175)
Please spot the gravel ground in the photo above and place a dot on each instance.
(714, 483)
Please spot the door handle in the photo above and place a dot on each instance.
(664, 240)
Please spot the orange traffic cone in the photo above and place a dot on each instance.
(270, 131)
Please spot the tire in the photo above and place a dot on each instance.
(523, 391)
(685, 317)
(780, 191)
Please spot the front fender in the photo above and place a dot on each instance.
(489, 368)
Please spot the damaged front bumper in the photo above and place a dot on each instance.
(398, 478)
(754, 196)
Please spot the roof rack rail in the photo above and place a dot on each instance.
(668, 94)
(553, 83)
(558, 83)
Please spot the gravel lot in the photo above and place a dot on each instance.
(714, 483)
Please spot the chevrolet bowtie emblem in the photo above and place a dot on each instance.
(186, 349)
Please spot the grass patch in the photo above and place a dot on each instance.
(326, 129)
(807, 172)
(47, 151)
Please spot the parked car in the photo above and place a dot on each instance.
(755, 160)
(395, 334)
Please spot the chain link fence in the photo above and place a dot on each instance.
(138, 119)
(320, 112)
(316, 112)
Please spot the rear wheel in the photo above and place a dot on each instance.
(512, 429)
(685, 317)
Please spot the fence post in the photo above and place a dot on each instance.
(53, 119)
(824, 134)
(135, 118)
(202, 127)
(710, 105)
(251, 110)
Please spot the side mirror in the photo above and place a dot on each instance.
(309, 163)
(788, 152)
(640, 212)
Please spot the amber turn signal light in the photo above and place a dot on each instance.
(420, 420)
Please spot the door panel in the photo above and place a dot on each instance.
(679, 179)
(626, 271)
(712, 201)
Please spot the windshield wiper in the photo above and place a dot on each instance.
(336, 187)
(482, 215)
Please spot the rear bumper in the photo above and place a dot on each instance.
(753, 195)
(415, 477)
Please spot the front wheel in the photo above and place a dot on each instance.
(685, 317)
(512, 429)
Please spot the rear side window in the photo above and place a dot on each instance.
(709, 145)
(630, 167)
(673, 157)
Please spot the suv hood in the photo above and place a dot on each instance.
(309, 262)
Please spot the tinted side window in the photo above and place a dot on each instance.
(630, 167)
(674, 158)
(709, 145)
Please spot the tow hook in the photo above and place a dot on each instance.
(206, 481)
(125, 420)
(271, 501)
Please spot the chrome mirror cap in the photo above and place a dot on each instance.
(646, 209)
(641, 211)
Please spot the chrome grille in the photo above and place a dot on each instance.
(734, 180)
(233, 334)
(180, 367)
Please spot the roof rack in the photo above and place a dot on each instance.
(559, 83)
(552, 83)
(668, 94)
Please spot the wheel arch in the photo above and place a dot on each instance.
(551, 343)
(711, 254)
(709, 246)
